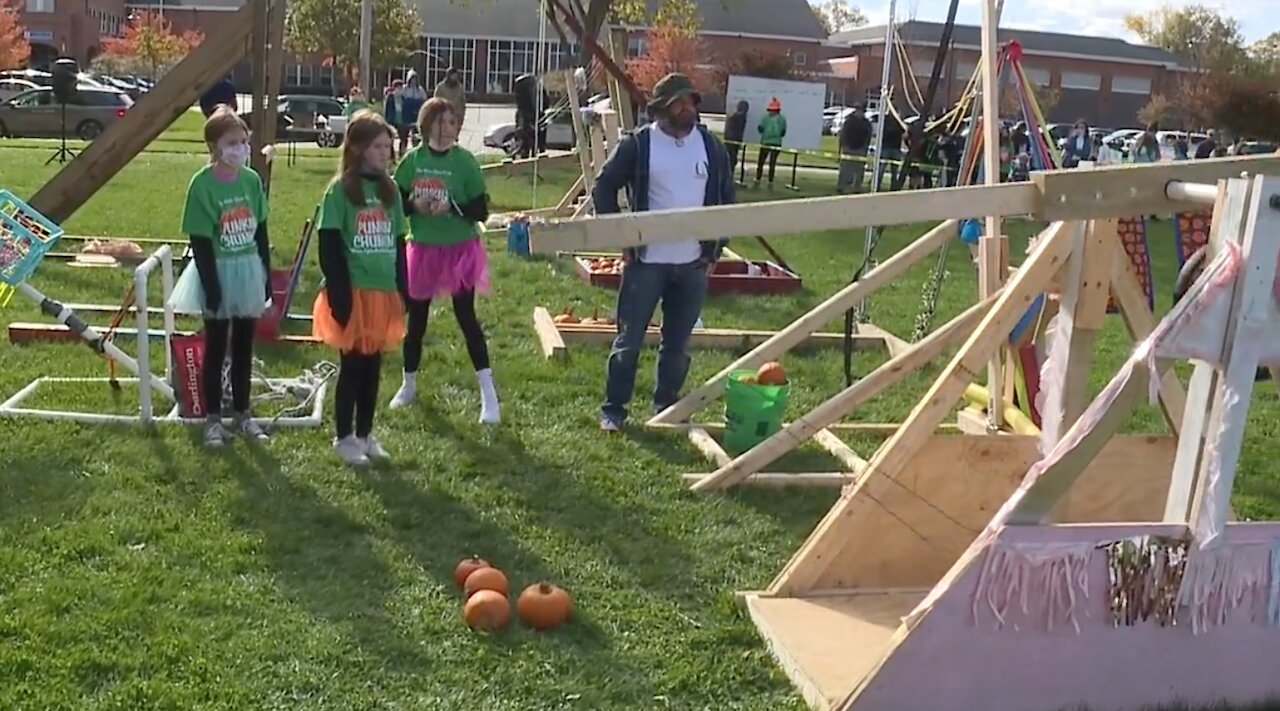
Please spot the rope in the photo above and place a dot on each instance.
(303, 389)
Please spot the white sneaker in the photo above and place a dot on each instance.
(407, 393)
(351, 451)
(489, 409)
(373, 450)
(214, 435)
(490, 413)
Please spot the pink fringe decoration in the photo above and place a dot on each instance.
(1055, 575)
(1220, 580)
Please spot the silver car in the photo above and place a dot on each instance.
(37, 114)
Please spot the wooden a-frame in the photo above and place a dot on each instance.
(247, 34)
(884, 604)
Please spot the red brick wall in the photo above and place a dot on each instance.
(74, 24)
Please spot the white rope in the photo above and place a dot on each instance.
(302, 390)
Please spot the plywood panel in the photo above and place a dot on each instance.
(1128, 481)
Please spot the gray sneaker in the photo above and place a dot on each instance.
(214, 434)
(249, 429)
(608, 424)
(351, 450)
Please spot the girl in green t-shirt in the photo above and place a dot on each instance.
(360, 309)
(443, 192)
(225, 217)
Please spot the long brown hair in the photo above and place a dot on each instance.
(430, 113)
(364, 127)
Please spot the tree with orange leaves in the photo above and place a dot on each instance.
(672, 46)
(150, 45)
(14, 48)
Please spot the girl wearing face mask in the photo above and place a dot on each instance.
(359, 311)
(225, 217)
(443, 192)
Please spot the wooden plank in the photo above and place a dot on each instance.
(616, 44)
(275, 75)
(172, 96)
(1191, 442)
(803, 327)
(570, 197)
(830, 412)
(708, 445)
(579, 133)
(832, 480)
(513, 168)
(259, 116)
(993, 245)
(870, 429)
(1074, 194)
(1124, 190)
(890, 461)
(724, 338)
(598, 154)
(784, 217)
(837, 448)
(548, 335)
(896, 346)
(20, 332)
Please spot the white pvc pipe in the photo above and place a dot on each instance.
(1199, 193)
(144, 337)
(166, 290)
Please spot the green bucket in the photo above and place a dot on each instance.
(752, 412)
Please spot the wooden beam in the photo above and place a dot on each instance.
(173, 95)
(890, 461)
(832, 480)
(869, 429)
(724, 338)
(837, 448)
(830, 412)
(992, 256)
(548, 335)
(275, 75)
(708, 445)
(580, 138)
(617, 49)
(530, 165)
(258, 116)
(1051, 196)
(803, 327)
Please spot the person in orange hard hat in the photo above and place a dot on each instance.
(773, 128)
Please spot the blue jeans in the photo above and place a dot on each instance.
(681, 288)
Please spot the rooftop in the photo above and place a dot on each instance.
(1033, 41)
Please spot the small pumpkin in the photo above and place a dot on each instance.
(466, 567)
(566, 317)
(771, 373)
(544, 606)
(487, 610)
(489, 578)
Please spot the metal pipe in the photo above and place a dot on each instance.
(1199, 193)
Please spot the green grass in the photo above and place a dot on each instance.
(140, 571)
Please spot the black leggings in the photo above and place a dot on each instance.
(357, 395)
(464, 310)
(218, 333)
(770, 154)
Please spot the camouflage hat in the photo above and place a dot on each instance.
(672, 87)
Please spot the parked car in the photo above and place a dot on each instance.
(1252, 148)
(36, 114)
(555, 131)
(828, 116)
(302, 117)
(838, 119)
(10, 88)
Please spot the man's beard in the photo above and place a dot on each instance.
(682, 121)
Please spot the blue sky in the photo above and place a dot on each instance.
(1090, 17)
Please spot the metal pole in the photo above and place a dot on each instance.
(877, 169)
(366, 47)
(1200, 193)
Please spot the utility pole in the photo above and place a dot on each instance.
(366, 47)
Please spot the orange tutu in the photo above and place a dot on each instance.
(376, 323)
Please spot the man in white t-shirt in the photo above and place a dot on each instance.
(674, 163)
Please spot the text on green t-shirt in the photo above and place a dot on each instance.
(227, 212)
(453, 176)
(369, 232)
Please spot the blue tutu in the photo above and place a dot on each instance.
(244, 289)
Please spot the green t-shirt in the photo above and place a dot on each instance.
(226, 212)
(370, 233)
(354, 106)
(453, 176)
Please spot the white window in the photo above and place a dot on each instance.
(799, 59)
(1130, 85)
(1081, 80)
(40, 5)
(637, 47)
(1038, 76)
(299, 75)
(452, 52)
(508, 59)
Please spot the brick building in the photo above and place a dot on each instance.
(73, 28)
(1102, 80)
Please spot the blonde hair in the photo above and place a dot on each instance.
(222, 121)
(364, 127)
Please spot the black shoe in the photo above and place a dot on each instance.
(608, 424)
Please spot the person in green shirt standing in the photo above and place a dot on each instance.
(360, 310)
(443, 192)
(772, 128)
(355, 102)
(227, 281)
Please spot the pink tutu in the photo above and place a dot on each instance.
(437, 270)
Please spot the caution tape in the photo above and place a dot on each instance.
(842, 157)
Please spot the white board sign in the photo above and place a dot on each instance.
(802, 104)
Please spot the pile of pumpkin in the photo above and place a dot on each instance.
(605, 265)
(542, 606)
(771, 373)
(595, 319)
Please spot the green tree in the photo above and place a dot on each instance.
(332, 28)
(1199, 36)
(837, 15)
(1265, 54)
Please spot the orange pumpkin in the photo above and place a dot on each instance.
(544, 606)
(566, 317)
(487, 610)
(771, 373)
(489, 578)
(466, 567)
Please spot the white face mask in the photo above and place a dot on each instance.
(236, 154)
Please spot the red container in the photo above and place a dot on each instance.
(729, 276)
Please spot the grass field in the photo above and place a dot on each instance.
(143, 572)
